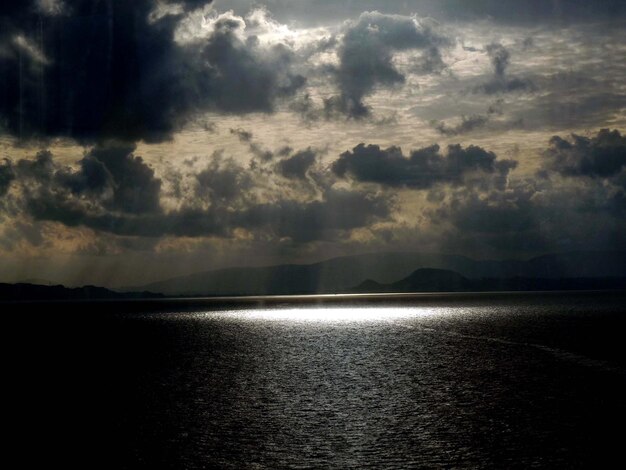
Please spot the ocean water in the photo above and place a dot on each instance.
(535, 381)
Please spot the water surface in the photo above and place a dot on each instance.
(495, 382)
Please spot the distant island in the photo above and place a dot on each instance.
(34, 292)
(441, 280)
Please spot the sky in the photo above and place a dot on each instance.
(149, 139)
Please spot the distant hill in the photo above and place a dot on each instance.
(422, 280)
(440, 280)
(335, 275)
(342, 274)
(32, 292)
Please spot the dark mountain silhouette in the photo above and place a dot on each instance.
(342, 274)
(422, 280)
(441, 280)
(285, 280)
(335, 275)
(32, 292)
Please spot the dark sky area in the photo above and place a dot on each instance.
(147, 139)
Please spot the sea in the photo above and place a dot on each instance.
(534, 380)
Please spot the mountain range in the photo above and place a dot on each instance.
(35, 292)
(345, 274)
(441, 280)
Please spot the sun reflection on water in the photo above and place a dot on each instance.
(330, 315)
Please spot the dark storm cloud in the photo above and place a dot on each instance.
(489, 212)
(109, 175)
(113, 191)
(123, 181)
(40, 170)
(185, 222)
(500, 59)
(340, 210)
(247, 79)
(103, 70)
(598, 162)
(580, 203)
(300, 221)
(222, 181)
(602, 156)
(104, 65)
(366, 56)
(296, 166)
(6, 176)
(93, 177)
(422, 169)
(135, 188)
(534, 215)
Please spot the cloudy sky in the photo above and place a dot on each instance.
(148, 139)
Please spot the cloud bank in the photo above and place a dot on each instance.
(93, 71)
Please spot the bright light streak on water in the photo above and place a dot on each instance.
(331, 315)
